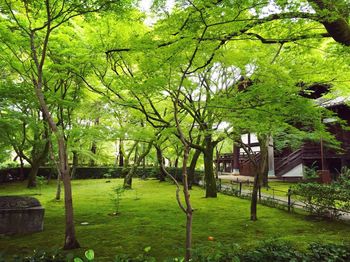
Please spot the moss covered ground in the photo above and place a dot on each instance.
(150, 217)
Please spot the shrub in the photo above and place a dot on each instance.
(45, 256)
(328, 252)
(217, 253)
(323, 199)
(269, 251)
(310, 172)
(277, 251)
(117, 197)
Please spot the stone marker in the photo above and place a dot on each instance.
(20, 215)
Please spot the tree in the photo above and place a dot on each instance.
(22, 127)
(32, 24)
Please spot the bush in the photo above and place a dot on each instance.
(273, 251)
(328, 252)
(216, 253)
(269, 251)
(324, 199)
(45, 256)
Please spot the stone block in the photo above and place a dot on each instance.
(20, 215)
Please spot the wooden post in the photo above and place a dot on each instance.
(259, 193)
(235, 160)
(289, 199)
(240, 188)
(322, 154)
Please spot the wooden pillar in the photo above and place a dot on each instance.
(235, 164)
(271, 158)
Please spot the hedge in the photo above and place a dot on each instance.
(13, 174)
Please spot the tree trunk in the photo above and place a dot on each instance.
(21, 171)
(176, 163)
(336, 21)
(33, 173)
(74, 164)
(254, 200)
(189, 210)
(93, 151)
(58, 190)
(128, 178)
(261, 168)
(192, 168)
(210, 182)
(162, 172)
(236, 154)
(70, 238)
(265, 176)
(121, 155)
(94, 145)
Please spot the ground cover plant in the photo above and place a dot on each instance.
(154, 220)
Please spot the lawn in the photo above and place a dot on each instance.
(150, 217)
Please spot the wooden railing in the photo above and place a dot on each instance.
(285, 164)
(286, 161)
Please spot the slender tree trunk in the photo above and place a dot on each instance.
(259, 173)
(254, 200)
(93, 151)
(94, 145)
(210, 182)
(33, 173)
(58, 189)
(192, 168)
(74, 164)
(39, 155)
(21, 171)
(189, 210)
(121, 155)
(176, 163)
(162, 172)
(70, 238)
(128, 178)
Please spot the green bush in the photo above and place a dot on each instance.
(217, 253)
(325, 199)
(269, 251)
(273, 251)
(45, 256)
(319, 252)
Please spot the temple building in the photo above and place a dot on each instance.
(291, 163)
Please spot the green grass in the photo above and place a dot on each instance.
(152, 218)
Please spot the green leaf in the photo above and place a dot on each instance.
(89, 254)
(78, 259)
(147, 249)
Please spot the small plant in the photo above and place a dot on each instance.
(311, 172)
(117, 197)
(40, 180)
(89, 255)
(43, 256)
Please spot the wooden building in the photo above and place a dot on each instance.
(290, 164)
